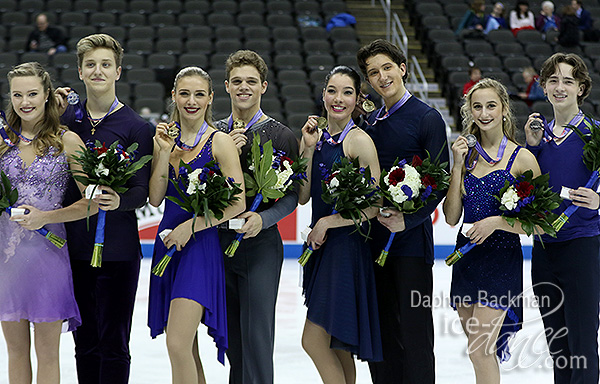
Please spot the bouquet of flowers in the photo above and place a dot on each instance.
(526, 200)
(207, 193)
(111, 167)
(8, 198)
(273, 173)
(350, 189)
(591, 159)
(410, 187)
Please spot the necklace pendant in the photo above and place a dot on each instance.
(93, 130)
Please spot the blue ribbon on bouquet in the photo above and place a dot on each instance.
(99, 239)
(309, 250)
(230, 251)
(58, 241)
(459, 253)
(564, 217)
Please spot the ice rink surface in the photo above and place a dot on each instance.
(530, 362)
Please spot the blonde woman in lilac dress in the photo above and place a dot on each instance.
(35, 276)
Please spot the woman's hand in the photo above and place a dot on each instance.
(310, 133)
(533, 137)
(162, 140)
(33, 220)
(482, 229)
(318, 234)
(459, 151)
(180, 236)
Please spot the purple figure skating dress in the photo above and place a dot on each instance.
(195, 273)
(35, 276)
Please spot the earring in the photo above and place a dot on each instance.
(504, 118)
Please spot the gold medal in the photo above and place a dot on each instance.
(173, 131)
(238, 124)
(321, 122)
(368, 106)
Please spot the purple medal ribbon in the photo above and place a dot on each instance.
(252, 121)
(3, 134)
(330, 140)
(549, 127)
(183, 145)
(393, 109)
(98, 121)
(484, 154)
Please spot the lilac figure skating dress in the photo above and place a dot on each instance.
(492, 272)
(35, 276)
(196, 273)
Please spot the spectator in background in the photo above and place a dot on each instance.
(547, 20)
(495, 20)
(475, 75)
(569, 35)
(586, 24)
(534, 90)
(472, 21)
(521, 17)
(46, 38)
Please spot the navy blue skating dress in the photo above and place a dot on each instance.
(339, 281)
(490, 273)
(196, 272)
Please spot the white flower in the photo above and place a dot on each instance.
(195, 184)
(102, 170)
(334, 183)
(102, 155)
(510, 198)
(283, 177)
(397, 194)
(251, 167)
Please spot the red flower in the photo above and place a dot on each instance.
(283, 159)
(524, 189)
(210, 173)
(102, 149)
(427, 180)
(396, 176)
(416, 161)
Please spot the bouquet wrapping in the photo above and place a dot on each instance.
(350, 189)
(591, 159)
(9, 197)
(111, 167)
(526, 200)
(272, 174)
(206, 193)
(410, 187)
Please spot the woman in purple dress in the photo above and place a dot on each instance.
(36, 285)
(192, 288)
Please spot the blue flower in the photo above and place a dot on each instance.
(426, 193)
(407, 191)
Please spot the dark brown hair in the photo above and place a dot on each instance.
(580, 71)
(383, 47)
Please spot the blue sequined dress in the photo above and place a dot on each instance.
(195, 273)
(491, 273)
(339, 280)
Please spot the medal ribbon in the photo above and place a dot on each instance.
(98, 121)
(252, 121)
(183, 145)
(549, 127)
(330, 139)
(484, 154)
(5, 135)
(393, 109)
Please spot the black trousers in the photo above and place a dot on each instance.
(105, 297)
(566, 283)
(252, 282)
(404, 292)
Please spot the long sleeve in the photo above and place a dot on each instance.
(137, 193)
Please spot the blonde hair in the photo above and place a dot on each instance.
(50, 134)
(186, 72)
(100, 40)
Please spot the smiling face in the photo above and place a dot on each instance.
(385, 76)
(562, 89)
(192, 97)
(99, 70)
(339, 97)
(28, 98)
(245, 88)
(487, 110)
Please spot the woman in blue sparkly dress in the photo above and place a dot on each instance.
(342, 319)
(488, 281)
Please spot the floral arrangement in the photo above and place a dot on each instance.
(350, 189)
(206, 193)
(410, 187)
(526, 200)
(591, 159)
(273, 173)
(111, 167)
(9, 197)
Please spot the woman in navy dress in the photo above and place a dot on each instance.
(566, 271)
(339, 283)
(192, 288)
(488, 281)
